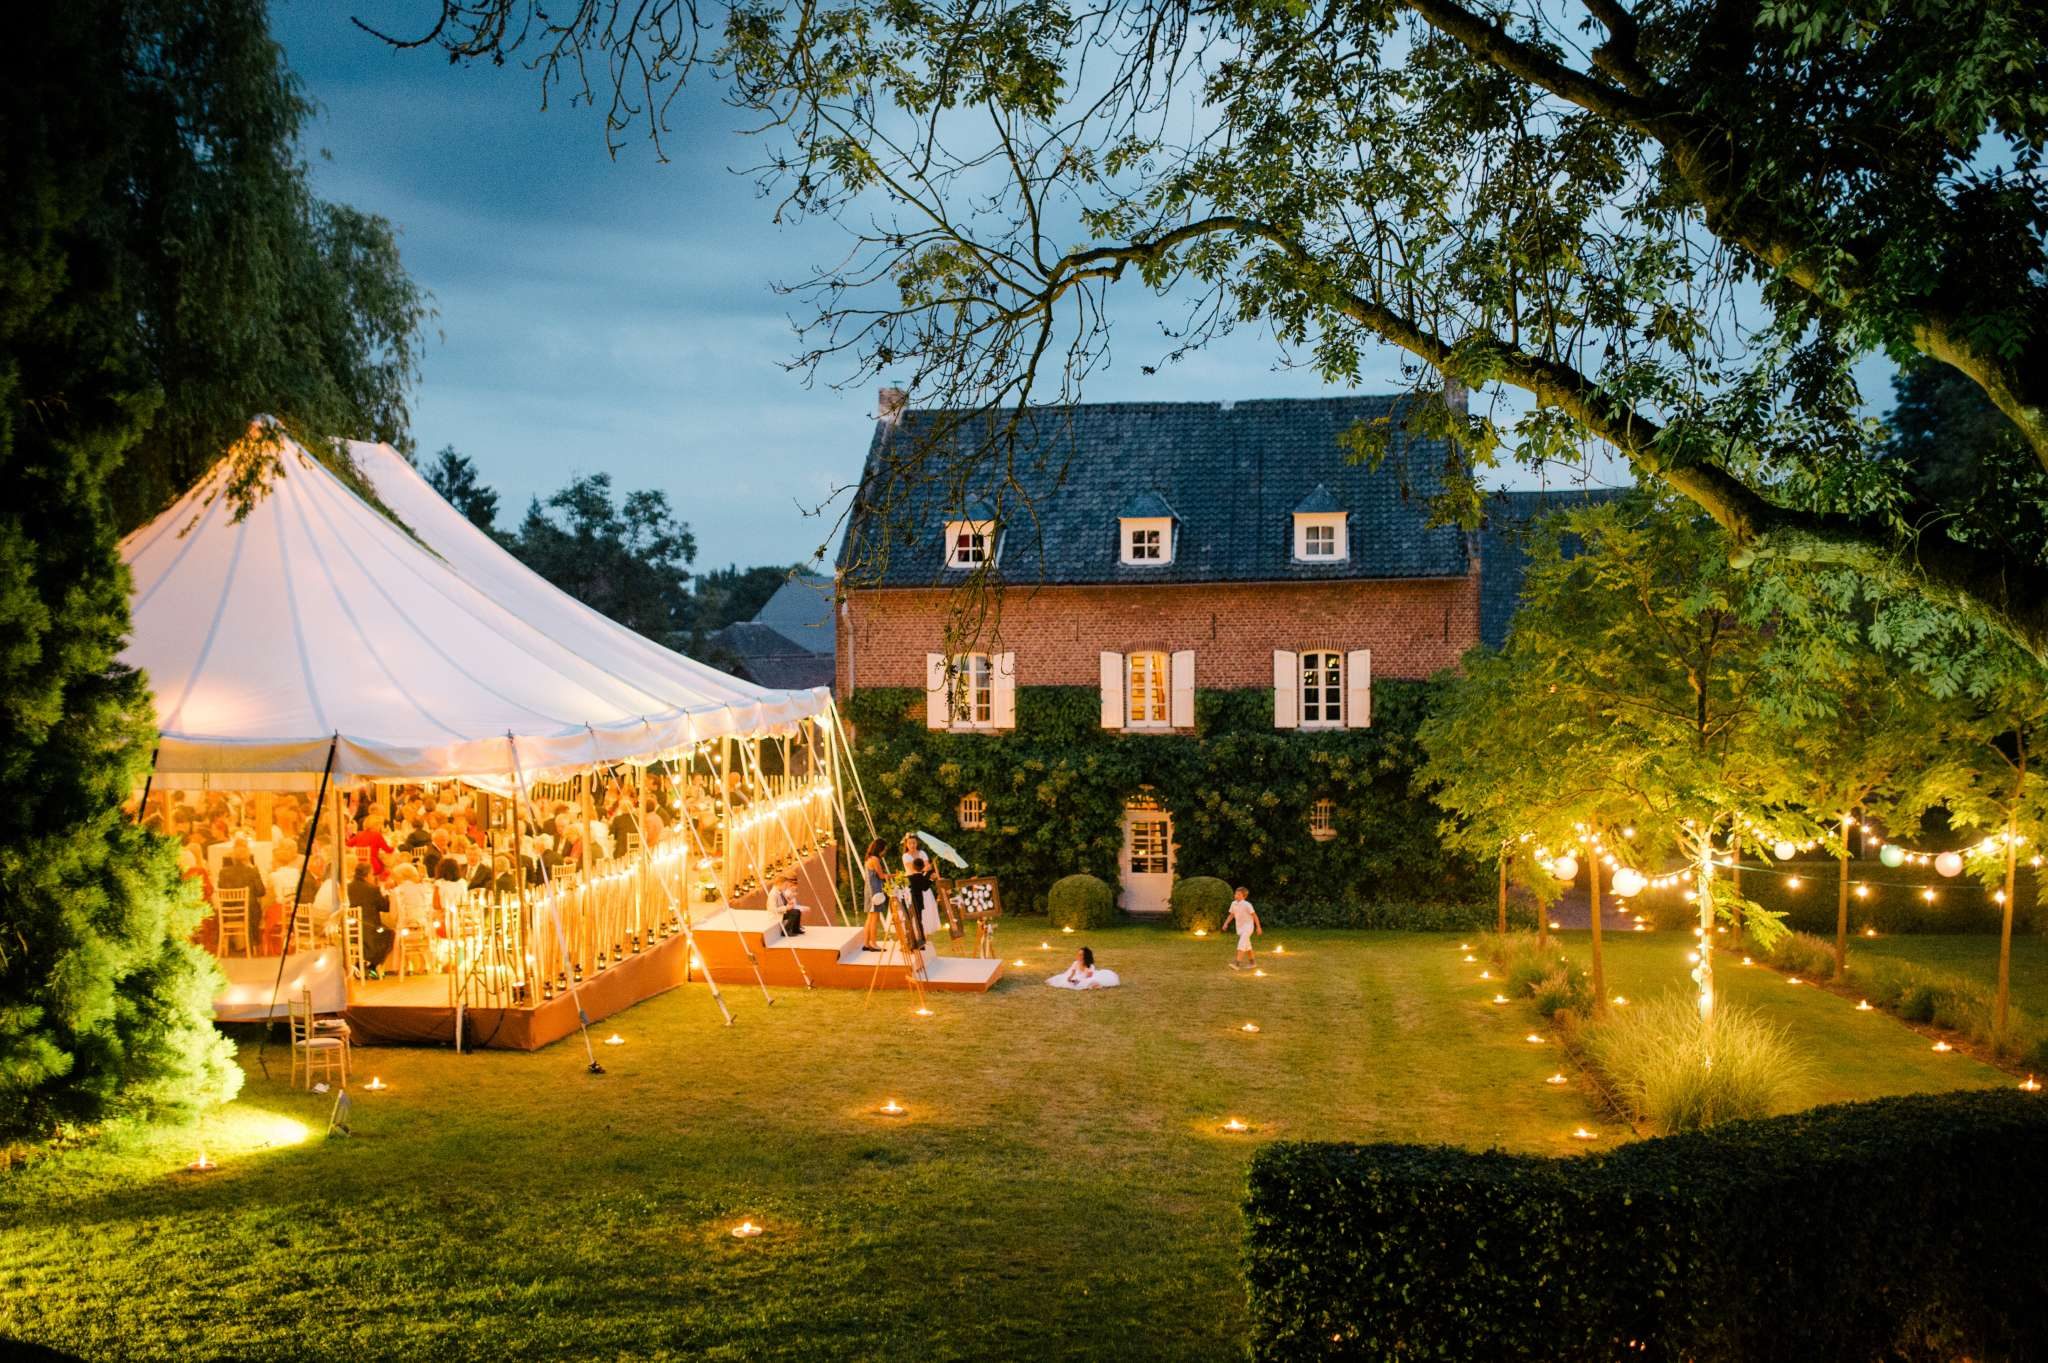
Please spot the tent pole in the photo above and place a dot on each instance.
(575, 994)
(348, 966)
(291, 923)
(525, 956)
(736, 933)
(860, 791)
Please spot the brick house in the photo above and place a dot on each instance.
(1149, 550)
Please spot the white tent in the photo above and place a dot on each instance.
(316, 623)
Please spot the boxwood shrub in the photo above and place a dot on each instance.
(1081, 902)
(1909, 1228)
(1200, 902)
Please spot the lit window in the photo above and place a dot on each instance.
(973, 704)
(1148, 541)
(1148, 691)
(973, 811)
(1322, 690)
(969, 544)
(1322, 820)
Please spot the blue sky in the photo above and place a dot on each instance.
(618, 315)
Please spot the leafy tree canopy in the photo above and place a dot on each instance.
(629, 559)
(454, 477)
(1670, 225)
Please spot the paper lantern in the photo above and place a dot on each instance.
(1783, 851)
(1891, 856)
(1565, 868)
(1628, 881)
(1948, 864)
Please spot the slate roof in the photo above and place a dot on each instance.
(801, 611)
(1233, 473)
(767, 657)
(1503, 549)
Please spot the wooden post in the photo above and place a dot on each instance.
(1842, 905)
(1503, 926)
(1735, 883)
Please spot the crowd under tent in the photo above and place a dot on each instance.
(319, 664)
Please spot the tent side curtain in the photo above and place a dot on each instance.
(484, 760)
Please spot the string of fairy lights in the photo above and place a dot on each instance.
(1627, 882)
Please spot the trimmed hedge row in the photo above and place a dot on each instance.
(1908, 1228)
(1081, 902)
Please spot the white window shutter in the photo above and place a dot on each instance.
(1286, 699)
(1358, 689)
(938, 709)
(1005, 712)
(1184, 689)
(1112, 690)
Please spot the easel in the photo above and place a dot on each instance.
(983, 915)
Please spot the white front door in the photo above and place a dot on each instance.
(1147, 862)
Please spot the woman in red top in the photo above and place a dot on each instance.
(371, 839)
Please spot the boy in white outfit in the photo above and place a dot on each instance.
(1245, 919)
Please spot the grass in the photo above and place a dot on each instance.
(1059, 1188)
(1974, 956)
(1678, 1073)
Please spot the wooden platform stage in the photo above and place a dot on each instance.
(415, 1010)
(827, 957)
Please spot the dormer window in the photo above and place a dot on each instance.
(970, 544)
(1319, 537)
(1319, 525)
(1145, 532)
(1148, 541)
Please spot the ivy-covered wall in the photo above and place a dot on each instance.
(1239, 791)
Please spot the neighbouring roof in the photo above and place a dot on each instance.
(1230, 473)
(1503, 549)
(767, 657)
(801, 611)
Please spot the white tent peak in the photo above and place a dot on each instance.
(317, 622)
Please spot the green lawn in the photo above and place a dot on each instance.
(1058, 1189)
(1974, 956)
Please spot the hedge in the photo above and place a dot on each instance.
(1201, 902)
(1055, 788)
(1909, 1228)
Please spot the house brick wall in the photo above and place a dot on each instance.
(1414, 628)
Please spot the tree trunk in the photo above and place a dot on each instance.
(1503, 928)
(1842, 908)
(1704, 889)
(1599, 966)
(1998, 1007)
(1735, 883)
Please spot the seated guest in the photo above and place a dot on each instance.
(412, 903)
(370, 842)
(284, 872)
(371, 905)
(1084, 974)
(624, 825)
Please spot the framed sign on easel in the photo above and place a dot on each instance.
(977, 900)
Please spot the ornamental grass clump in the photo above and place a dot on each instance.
(1655, 1058)
(1565, 989)
(1919, 994)
(1802, 954)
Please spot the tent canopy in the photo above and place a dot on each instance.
(318, 623)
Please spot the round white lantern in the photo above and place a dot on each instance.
(1628, 880)
(1565, 868)
(1783, 851)
(1949, 864)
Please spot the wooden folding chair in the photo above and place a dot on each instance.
(314, 1047)
(231, 919)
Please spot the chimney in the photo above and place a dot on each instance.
(889, 404)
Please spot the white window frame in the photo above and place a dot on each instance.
(1152, 706)
(1322, 819)
(1134, 526)
(1334, 521)
(971, 693)
(979, 552)
(972, 812)
(1321, 717)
